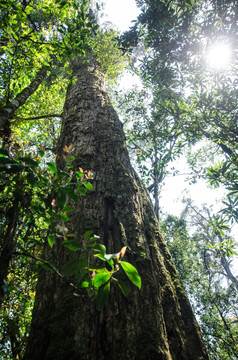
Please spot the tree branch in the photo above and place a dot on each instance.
(7, 112)
(225, 148)
(39, 117)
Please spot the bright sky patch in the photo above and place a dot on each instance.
(219, 56)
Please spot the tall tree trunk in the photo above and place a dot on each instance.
(155, 322)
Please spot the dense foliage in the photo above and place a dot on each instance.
(204, 261)
(189, 100)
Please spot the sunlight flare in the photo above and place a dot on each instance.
(219, 56)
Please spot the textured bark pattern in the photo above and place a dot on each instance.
(153, 323)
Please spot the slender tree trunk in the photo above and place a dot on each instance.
(225, 148)
(7, 112)
(156, 184)
(226, 265)
(154, 323)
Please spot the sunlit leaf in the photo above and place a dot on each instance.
(88, 185)
(84, 284)
(132, 273)
(101, 278)
(51, 240)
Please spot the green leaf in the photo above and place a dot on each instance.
(52, 167)
(72, 245)
(101, 278)
(51, 240)
(84, 284)
(61, 198)
(124, 286)
(64, 217)
(99, 247)
(102, 296)
(67, 208)
(88, 185)
(46, 265)
(72, 193)
(47, 221)
(132, 273)
(79, 174)
(87, 234)
(82, 190)
(102, 257)
(233, 252)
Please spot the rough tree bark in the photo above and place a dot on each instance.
(155, 322)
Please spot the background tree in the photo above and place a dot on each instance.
(197, 100)
(204, 261)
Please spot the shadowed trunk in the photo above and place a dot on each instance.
(8, 244)
(155, 322)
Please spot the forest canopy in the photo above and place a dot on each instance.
(186, 107)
